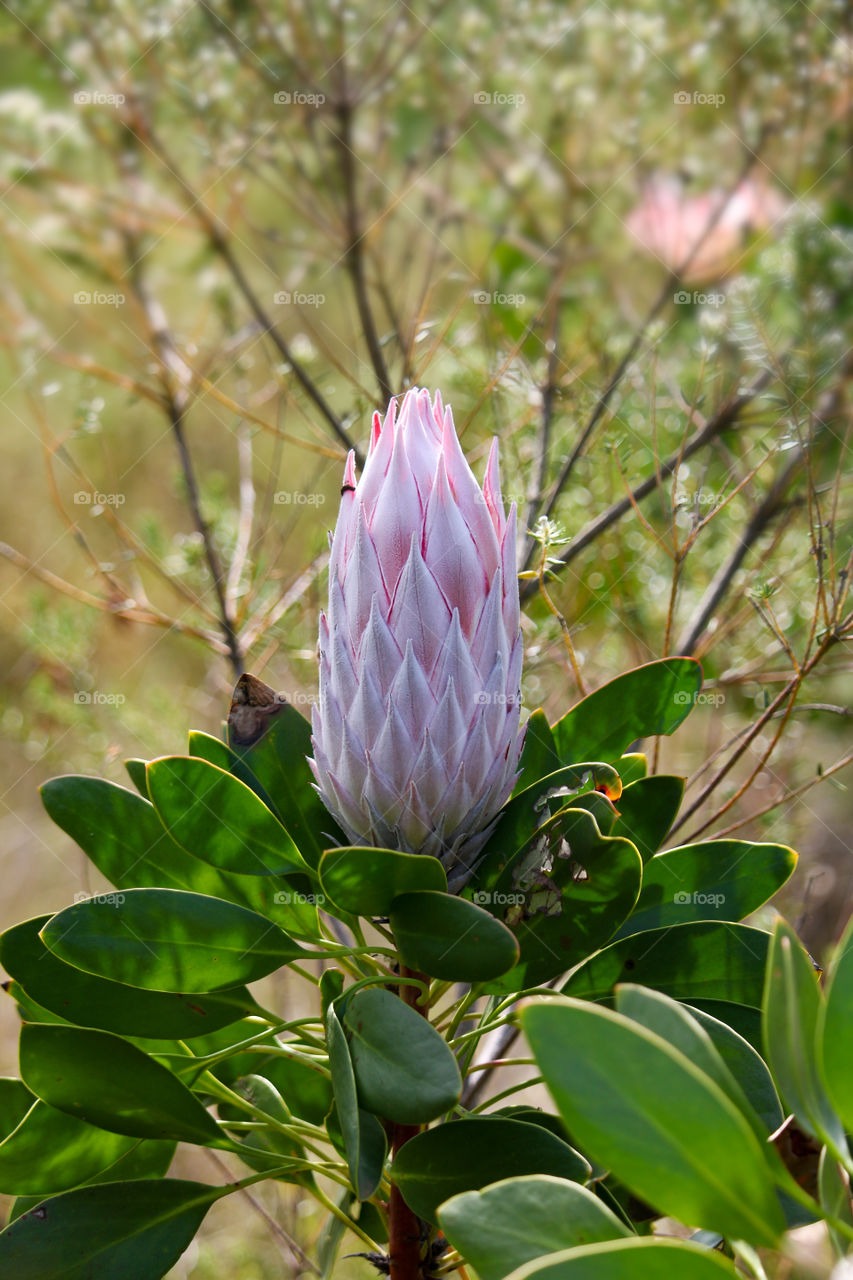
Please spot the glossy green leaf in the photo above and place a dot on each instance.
(565, 899)
(136, 772)
(705, 960)
(365, 1154)
(116, 1231)
(642, 1109)
(112, 1006)
(835, 1030)
(715, 880)
(647, 810)
(515, 1221)
(108, 1082)
(122, 835)
(746, 1065)
(50, 1151)
(15, 1101)
(539, 753)
(675, 1024)
(366, 881)
(145, 1159)
(450, 938)
(217, 818)
(279, 762)
(632, 766)
(164, 940)
(404, 1069)
(650, 700)
(792, 1014)
(646, 1259)
(522, 816)
(469, 1154)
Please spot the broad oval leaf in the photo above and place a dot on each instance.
(89, 1001)
(365, 1156)
(746, 1065)
(108, 1082)
(518, 1220)
(115, 1231)
(705, 960)
(404, 1069)
(365, 881)
(50, 1151)
(647, 1259)
(645, 1111)
(450, 938)
(15, 1102)
(647, 810)
(468, 1154)
(565, 898)
(835, 1030)
(714, 880)
(792, 1015)
(217, 818)
(165, 940)
(650, 700)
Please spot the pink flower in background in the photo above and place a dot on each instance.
(416, 736)
(667, 222)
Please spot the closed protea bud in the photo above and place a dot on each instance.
(416, 736)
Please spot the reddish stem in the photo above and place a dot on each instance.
(404, 1226)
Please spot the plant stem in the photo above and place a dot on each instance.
(404, 1227)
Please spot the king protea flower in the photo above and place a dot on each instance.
(416, 736)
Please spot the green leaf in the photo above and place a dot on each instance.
(164, 940)
(122, 835)
(136, 772)
(217, 818)
(647, 810)
(746, 1065)
(112, 1006)
(365, 881)
(564, 899)
(835, 1030)
(522, 816)
(792, 1013)
(714, 880)
(104, 1080)
(404, 1069)
(642, 1109)
(450, 938)
(539, 753)
(650, 700)
(834, 1193)
(145, 1159)
(279, 762)
(364, 1153)
(647, 1259)
(466, 1155)
(678, 1026)
(50, 1151)
(632, 767)
(115, 1231)
(706, 960)
(520, 1219)
(15, 1102)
